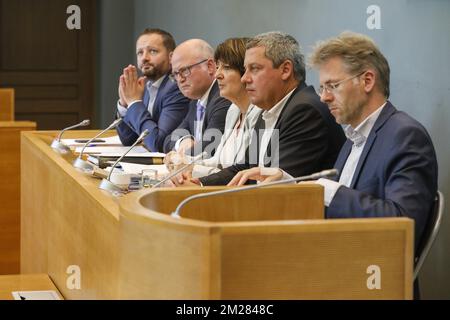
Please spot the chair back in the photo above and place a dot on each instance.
(430, 232)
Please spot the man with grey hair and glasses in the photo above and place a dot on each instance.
(388, 165)
(295, 130)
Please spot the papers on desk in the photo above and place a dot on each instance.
(80, 142)
(138, 151)
(121, 178)
(105, 156)
(35, 295)
(135, 168)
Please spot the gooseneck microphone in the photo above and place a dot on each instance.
(173, 174)
(60, 147)
(83, 164)
(106, 184)
(314, 176)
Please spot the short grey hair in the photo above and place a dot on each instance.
(280, 47)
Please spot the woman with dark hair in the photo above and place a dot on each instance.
(241, 116)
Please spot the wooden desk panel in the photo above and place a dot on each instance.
(66, 221)
(267, 259)
(6, 104)
(25, 282)
(131, 248)
(10, 194)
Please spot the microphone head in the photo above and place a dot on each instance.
(330, 173)
(321, 174)
(115, 123)
(85, 122)
(144, 134)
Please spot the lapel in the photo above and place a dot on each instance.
(284, 113)
(146, 97)
(211, 100)
(342, 159)
(299, 88)
(388, 110)
(161, 92)
(259, 127)
(192, 116)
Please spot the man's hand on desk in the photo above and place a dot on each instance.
(131, 88)
(262, 175)
(185, 180)
(175, 160)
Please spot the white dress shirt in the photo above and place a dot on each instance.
(152, 88)
(358, 136)
(226, 158)
(270, 118)
(231, 148)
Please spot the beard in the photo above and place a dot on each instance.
(151, 72)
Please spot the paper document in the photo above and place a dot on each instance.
(138, 151)
(137, 168)
(80, 142)
(35, 295)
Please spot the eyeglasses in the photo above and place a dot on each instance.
(331, 88)
(186, 71)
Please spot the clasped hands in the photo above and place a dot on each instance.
(131, 87)
(176, 160)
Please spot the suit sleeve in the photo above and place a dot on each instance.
(409, 188)
(174, 108)
(223, 176)
(126, 134)
(182, 130)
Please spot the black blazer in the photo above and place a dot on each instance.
(309, 139)
(215, 113)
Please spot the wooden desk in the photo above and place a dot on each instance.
(10, 194)
(25, 282)
(131, 248)
(6, 104)
(66, 220)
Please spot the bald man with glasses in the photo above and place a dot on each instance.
(193, 68)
